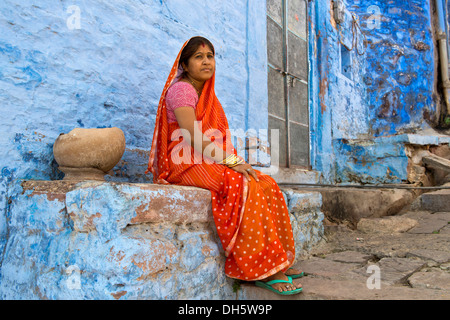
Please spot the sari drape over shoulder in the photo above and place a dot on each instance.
(251, 218)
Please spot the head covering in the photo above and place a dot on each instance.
(265, 213)
(209, 112)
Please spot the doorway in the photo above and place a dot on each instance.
(288, 70)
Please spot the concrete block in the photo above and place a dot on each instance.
(352, 204)
(436, 200)
(109, 240)
(303, 201)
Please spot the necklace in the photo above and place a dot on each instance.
(198, 92)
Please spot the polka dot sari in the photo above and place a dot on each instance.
(251, 218)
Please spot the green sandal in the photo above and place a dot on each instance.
(296, 276)
(268, 285)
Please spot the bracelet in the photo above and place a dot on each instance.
(235, 164)
(227, 159)
(232, 161)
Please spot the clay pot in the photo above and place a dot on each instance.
(88, 154)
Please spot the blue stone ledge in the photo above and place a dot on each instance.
(109, 240)
(381, 160)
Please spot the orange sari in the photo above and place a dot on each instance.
(251, 217)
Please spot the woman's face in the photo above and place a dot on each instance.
(202, 64)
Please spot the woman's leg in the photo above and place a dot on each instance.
(251, 219)
(277, 202)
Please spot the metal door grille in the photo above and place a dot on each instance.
(287, 49)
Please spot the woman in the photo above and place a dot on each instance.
(191, 146)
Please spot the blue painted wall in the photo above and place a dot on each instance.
(95, 64)
(110, 69)
(400, 60)
(362, 98)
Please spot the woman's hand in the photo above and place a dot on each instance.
(246, 170)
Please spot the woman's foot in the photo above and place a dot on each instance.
(282, 287)
(294, 272)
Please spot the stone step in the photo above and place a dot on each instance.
(112, 240)
(305, 208)
(437, 162)
(435, 201)
(292, 175)
(349, 204)
(92, 204)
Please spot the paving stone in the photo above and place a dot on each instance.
(326, 289)
(393, 224)
(339, 269)
(434, 279)
(433, 255)
(349, 257)
(324, 267)
(445, 267)
(317, 288)
(445, 230)
(396, 270)
(432, 223)
(416, 215)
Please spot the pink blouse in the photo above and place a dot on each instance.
(180, 94)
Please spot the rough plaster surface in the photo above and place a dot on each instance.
(105, 240)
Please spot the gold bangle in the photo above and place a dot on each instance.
(232, 161)
(235, 163)
(227, 159)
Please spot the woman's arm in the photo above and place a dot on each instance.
(186, 120)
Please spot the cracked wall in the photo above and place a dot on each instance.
(383, 87)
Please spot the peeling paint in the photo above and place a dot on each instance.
(389, 90)
(119, 294)
(322, 93)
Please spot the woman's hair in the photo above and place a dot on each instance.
(192, 47)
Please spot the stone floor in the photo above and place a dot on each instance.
(404, 257)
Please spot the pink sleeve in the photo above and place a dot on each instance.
(181, 94)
